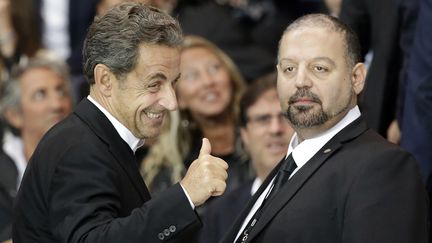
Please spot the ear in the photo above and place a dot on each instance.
(14, 118)
(358, 77)
(104, 79)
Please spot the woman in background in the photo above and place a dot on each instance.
(208, 94)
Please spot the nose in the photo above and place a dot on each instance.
(207, 77)
(57, 101)
(302, 78)
(277, 124)
(168, 98)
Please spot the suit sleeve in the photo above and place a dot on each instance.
(86, 203)
(387, 202)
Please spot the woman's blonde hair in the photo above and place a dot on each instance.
(175, 141)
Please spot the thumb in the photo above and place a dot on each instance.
(205, 147)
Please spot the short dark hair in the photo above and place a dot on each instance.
(351, 41)
(254, 92)
(114, 38)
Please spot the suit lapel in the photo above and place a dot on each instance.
(103, 128)
(288, 191)
(230, 236)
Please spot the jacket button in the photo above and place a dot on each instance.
(172, 228)
(161, 236)
(166, 232)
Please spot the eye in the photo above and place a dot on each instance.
(190, 76)
(39, 95)
(287, 68)
(213, 68)
(320, 69)
(154, 87)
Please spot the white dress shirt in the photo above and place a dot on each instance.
(13, 146)
(302, 153)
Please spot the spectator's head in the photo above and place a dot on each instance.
(131, 59)
(210, 83)
(319, 72)
(36, 97)
(264, 130)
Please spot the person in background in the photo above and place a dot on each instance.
(82, 183)
(208, 94)
(36, 97)
(20, 36)
(265, 133)
(340, 181)
(379, 37)
(416, 116)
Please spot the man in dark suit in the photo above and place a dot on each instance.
(416, 115)
(82, 183)
(343, 182)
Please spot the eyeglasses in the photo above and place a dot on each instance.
(265, 119)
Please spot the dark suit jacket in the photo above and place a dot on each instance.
(8, 187)
(83, 185)
(358, 188)
(377, 25)
(222, 212)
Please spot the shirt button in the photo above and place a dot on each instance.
(166, 232)
(161, 236)
(172, 228)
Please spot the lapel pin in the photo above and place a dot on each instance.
(327, 151)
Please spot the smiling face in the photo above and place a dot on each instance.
(267, 133)
(142, 98)
(45, 100)
(205, 86)
(316, 84)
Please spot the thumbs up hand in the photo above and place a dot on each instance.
(206, 176)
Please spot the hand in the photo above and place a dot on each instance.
(206, 176)
(393, 132)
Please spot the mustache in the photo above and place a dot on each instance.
(304, 93)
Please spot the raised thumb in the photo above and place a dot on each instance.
(205, 147)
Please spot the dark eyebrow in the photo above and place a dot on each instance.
(158, 76)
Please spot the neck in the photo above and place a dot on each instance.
(29, 143)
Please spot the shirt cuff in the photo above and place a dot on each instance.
(188, 197)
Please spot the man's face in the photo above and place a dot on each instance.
(45, 100)
(141, 100)
(314, 80)
(205, 87)
(267, 133)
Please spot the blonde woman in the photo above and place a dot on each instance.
(208, 94)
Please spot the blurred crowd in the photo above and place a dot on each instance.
(226, 92)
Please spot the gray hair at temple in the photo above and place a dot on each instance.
(351, 41)
(114, 38)
(10, 90)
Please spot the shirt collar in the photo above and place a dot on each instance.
(133, 142)
(304, 151)
(13, 146)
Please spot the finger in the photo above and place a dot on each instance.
(205, 147)
(219, 187)
(219, 162)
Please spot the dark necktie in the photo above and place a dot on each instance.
(282, 176)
